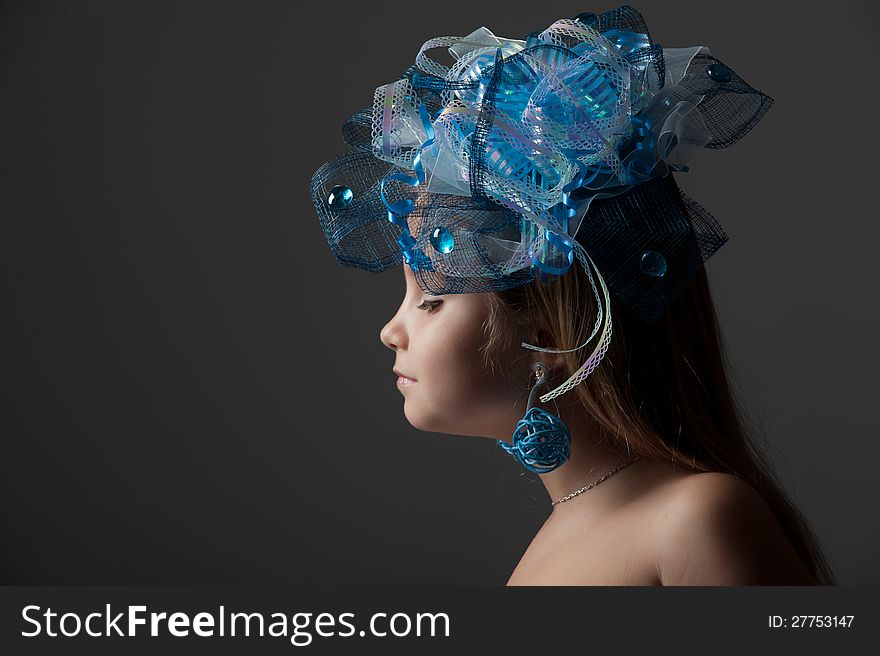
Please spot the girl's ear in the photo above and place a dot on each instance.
(553, 361)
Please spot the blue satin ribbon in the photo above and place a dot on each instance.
(397, 212)
(640, 165)
(641, 160)
(626, 40)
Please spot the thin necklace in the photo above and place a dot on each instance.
(604, 477)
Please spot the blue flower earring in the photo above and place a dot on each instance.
(541, 441)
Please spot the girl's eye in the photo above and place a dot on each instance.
(430, 306)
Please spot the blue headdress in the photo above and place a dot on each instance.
(526, 154)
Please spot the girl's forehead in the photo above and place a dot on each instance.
(409, 276)
(411, 281)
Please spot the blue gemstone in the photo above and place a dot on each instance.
(441, 239)
(653, 263)
(719, 73)
(340, 197)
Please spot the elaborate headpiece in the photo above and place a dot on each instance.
(480, 175)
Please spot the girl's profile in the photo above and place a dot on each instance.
(556, 296)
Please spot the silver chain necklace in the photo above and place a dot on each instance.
(604, 477)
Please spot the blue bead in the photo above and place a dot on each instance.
(340, 197)
(719, 73)
(441, 239)
(653, 263)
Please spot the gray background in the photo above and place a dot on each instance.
(195, 391)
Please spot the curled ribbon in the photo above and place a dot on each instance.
(397, 212)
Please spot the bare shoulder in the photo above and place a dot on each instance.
(716, 529)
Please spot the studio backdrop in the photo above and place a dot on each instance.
(195, 390)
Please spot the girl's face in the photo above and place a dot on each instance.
(436, 341)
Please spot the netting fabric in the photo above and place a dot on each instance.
(526, 154)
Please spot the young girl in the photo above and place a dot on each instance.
(528, 191)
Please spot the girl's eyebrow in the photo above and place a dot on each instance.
(407, 274)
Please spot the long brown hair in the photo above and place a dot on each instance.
(664, 386)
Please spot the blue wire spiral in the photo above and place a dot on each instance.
(541, 441)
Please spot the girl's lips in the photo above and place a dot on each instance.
(403, 381)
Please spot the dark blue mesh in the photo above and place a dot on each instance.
(655, 216)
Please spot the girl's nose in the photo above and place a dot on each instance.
(392, 334)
